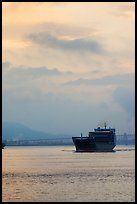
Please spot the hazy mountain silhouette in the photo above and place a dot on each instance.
(18, 131)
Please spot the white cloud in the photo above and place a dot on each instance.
(107, 80)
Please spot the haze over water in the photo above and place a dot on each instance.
(59, 174)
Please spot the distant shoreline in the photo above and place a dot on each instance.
(29, 145)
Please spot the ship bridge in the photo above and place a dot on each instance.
(104, 129)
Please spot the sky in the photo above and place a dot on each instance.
(68, 67)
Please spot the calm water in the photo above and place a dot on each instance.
(59, 174)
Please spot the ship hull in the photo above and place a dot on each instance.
(3, 145)
(86, 144)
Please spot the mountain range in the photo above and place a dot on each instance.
(17, 131)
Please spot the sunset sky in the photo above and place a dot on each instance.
(68, 66)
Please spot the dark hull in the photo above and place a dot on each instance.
(88, 144)
(84, 144)
(3, 145)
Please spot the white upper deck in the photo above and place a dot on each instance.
(98, 129)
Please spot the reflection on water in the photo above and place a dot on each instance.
(59, 174)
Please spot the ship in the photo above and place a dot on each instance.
(3, 145)
(99, 140)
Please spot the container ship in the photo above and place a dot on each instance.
(100, 140)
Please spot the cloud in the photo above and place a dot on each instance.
(54, 29)
(78, 45)
(6, 66)
(53, 113)
(114, 79)
(125, 10)
(125, 97)
(59, 114)
(63, 30)
(26, 82)
(49, 106)
(30, 72)
(35, 72)
(23, 81)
